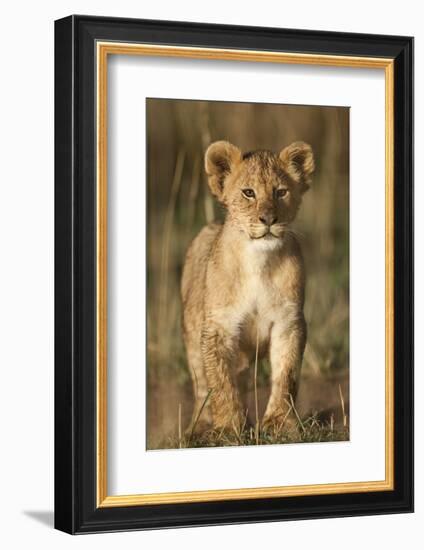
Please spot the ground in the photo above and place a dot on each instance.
(322, 407)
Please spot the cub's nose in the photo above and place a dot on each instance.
(268, 219)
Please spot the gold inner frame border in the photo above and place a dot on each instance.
(103, 50)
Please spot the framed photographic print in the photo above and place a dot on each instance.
(234, 269)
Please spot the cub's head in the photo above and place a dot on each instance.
(262, 191)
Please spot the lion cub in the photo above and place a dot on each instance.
(243, 283)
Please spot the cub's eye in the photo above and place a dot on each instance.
(249, 193)
(280, 193)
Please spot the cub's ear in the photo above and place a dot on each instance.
(220, 159)
(298, 161)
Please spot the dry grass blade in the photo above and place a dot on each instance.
(295, 411)
(343, 407)
(237, 431)
(193, 192)
(179, 426)
(206, 138)
(244, 421)
(199, 413)
(281, 426)
(166, 243)
(256, 388)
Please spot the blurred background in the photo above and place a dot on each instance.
(179, 204)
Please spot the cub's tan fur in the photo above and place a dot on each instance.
(243, 282)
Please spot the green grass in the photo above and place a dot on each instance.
(311, 431)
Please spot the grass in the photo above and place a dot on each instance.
(313, 431)
(308, 429)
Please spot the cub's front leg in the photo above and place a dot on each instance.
(287, 344)
(220, 352)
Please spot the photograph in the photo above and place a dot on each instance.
(247, 273)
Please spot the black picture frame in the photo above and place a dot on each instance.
(76, 510)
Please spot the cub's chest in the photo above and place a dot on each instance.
(259, 293)
(261, 281)
(260, 299)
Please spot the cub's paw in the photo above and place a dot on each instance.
(280, 423)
